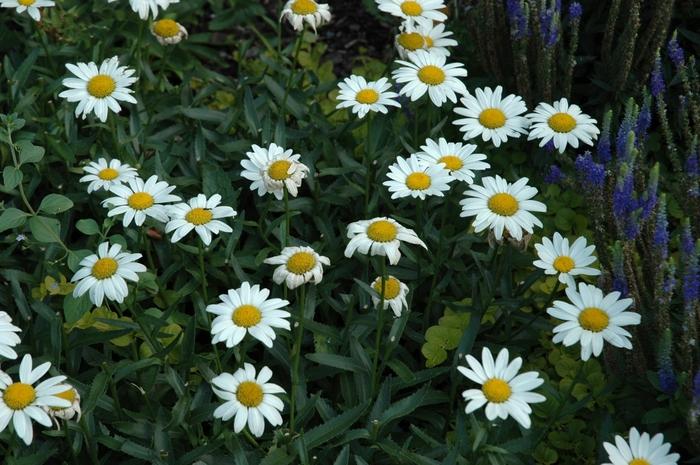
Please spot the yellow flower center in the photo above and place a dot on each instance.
(18, 396)
(304, 7)
(639, 462)
(411, 40)
(166, 28)
(496, 390)
(367, 96)
(593, 319)
(431, 75)
(279, 170)
(492, 118)
(382, 231)
(411, 8)
(563, 264)
(68, 395)
(392, 287)
(246, 316)
(503, 204)
(301, 262)
(452, 162)
(104, 268)
(101, 86)
(108, 174)
(561, 122)
(249, 393)
(199, 216)
(428, 41)
(418, 181)
(140, 200)
(26, 2)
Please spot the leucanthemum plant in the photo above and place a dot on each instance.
(362, 96)
(558, 258)
(274, 170)
(413, 177)
(201, 215)
(413, 12)
(425, 72)
(394, 294)
(298, 12)
(297, 266)
(431, 37)
(146, 7)
(380, 236)
(459, 159)
(168, 31)
(103, 174)
(65, 413)
(139, 199)
(563, 124)
(32, 7)
(8, 336)
(640, 449)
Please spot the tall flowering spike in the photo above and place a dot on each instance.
(687, 241)
(604, 148)
(692, 169)
(643, 121)
(675, 51)
(625, 202)
(691, 280)
(575, 11)
(657, 83)
(669, 284)
(618, 269)
(651, 195)
(549, 29)
(555, 175)
(660, 238)
(627, 126)
(667, 377)
(517, 17)
(590, 173)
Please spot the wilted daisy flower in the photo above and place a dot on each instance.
(556, 257)
(200, 214)
(380, 236)
(427, 72)
(140, 199)
(144, 7)
(493, 118)
(641, 449)
(504, 393)
(8, 338)
(99, 89)
(591, 318)
(429, 37)
(415, 11)
(66, 413)
(500, 205)
(104, 274)
(362, 96)
(30, 6)
(459, 159)
(249, 399)
(394, 294)
(416, 178)
(103, 174)
(563, 124)
(22, 402)
(273, 170)
(248, 310)
(298, 11)
(298, 265)
(168, 31)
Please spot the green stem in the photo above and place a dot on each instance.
(296, 356)
(368, 164)
(297, 49)
(285, 240)
(17, 166)
(205, 296)
(380, 326)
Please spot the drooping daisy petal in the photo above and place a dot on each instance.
(8, 336)
(394, 294)
(298, 12)
(168, 31)
(273, 170)
(297, 266)
(430, 37)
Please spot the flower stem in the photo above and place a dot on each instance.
(380, 326)
(285, 240)
(205, 296)
(296, 355)
(368, 164)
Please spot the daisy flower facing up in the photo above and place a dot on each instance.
(380, 236)
(22, 402)
(8, 336)
(493, 118)
(105, 274)
(414, 11)
(500, 205)
(429, 37)
(250, 399)
(273, 170)
(394, 294)
(66, 413)
(641, 449)
(200, 214)
(248, 310)
(362, 96)
(298, 265)
(591, 318)
(563, 124)
(103, 174)
(504, 391)
(140, 199)
(30, 6)
(416, 178)
(299, 11)
(99, 89)
(168, 31)
(144, 7)
(459, 159)
(427, 72)
(556, 257)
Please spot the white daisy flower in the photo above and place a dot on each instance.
(591, 318)
(144, 7)
(556, 257)
(641, 449)
(500, 205)
(8, 338)
(380, 236)
(250, 399)
(493, 118)
(248, 310)
(504, 391)
(30, 6)
(168, 31)
(430, 37)
(140, 199)
(563, 123)
(394, 294)
(22, 402)
(362, 96)
(427, 72)
(298, 265)
(416, 178)
(104, 274)
(103, 174)
(99, 89)
(459, 159)
(200, 214)
(415, 11)
(273, 170)
(66, 413)
(299, 11)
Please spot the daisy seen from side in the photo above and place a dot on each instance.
(274, 170)
(298, 12)
(9, 337)
(168, 31)
(297, 266)
(394, 294)
(431, 37)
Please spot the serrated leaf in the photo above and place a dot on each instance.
(404, 406)
(334, 427)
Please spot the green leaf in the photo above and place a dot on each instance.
(404, 406)
(29, 153)
(434, 354)
(336, 361)
(45, 229)
(12, 218)
(11, 177)
(55, 203)
(88, 227)
(334, 427)
(75, 308)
